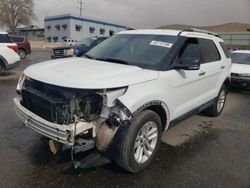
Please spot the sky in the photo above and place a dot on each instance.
(150, 13)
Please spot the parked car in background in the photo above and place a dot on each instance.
(23, 45)
(82, 47)
(125, 93)
(9, 59)
(240, 72)
(6, 41)
(70, 42)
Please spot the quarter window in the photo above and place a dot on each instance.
(224, 48)
(209, 52)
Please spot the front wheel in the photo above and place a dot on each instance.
(219, 103)
(138, 144)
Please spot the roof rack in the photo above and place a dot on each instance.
(200, 31)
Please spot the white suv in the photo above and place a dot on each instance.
(125, 92)
(9, 58)
(240, 72)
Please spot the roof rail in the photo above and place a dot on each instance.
(200, 31)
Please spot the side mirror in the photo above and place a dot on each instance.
(189, 64)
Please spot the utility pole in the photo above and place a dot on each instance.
(81, 5)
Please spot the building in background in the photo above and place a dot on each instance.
(67, 26)
(30, 31)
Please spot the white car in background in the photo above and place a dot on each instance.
(240, 72)
(9, 58)
(7, 42)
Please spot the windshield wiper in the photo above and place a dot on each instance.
(89, 56)
(107, 59)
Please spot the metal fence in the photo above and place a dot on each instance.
(240, 39)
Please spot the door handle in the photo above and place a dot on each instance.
(202, 73)
(222, 67)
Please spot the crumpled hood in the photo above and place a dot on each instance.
(240, 68)
(88, 74)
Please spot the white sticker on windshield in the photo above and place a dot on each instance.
(161, 44)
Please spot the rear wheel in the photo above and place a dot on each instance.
(139, 143)
(219, 103)
(22, 53)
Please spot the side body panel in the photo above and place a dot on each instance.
(9, 55)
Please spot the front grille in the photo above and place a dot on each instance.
(58, 53)
(46, 101)
(38, 105)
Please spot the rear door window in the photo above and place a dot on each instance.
(5, 39)
(209, 51)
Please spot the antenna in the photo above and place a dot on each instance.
(81, 6)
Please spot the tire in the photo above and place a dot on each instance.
(134, 153)
(219, 103)
(1, 67)
(22, 53)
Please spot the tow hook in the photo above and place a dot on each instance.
(54, 146)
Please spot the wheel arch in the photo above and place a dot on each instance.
(227, 83)
(159, 108)
(3, 62)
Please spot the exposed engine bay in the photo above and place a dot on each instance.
(99, 109)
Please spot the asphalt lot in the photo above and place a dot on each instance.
(200, 152)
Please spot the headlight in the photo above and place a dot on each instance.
(20, 83)
(91, 107)
(69, 52)
(111, 96)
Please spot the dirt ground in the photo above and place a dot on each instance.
(199, 152)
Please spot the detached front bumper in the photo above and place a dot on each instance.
(61, 133)
(240, 82)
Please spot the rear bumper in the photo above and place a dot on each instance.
(61, 133)
(240, 82)
(13, 65)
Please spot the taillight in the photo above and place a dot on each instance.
(13, 48)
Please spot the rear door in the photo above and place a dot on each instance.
(211, 69)
(185, 88)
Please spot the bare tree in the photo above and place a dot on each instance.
(16, 12)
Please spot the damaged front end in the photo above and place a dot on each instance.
(77, 118)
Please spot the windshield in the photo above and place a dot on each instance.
(86, 41)
(145, 51)
(241, 58)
